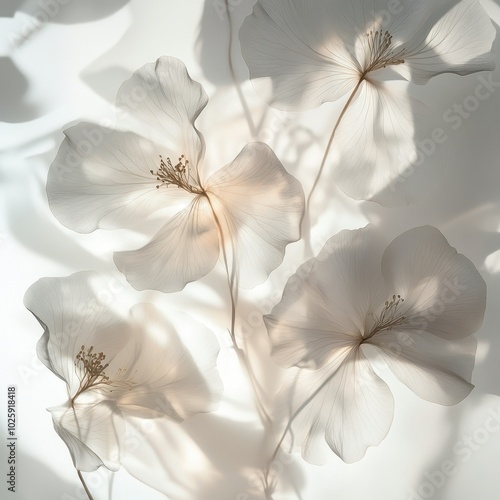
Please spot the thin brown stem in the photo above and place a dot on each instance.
(330, 141)
(233, 293)
(84, 485)
(290, 422)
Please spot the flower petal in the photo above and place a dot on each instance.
(435, 369)
(325, 303)
(459, 42)
(101, 178)
(444, 293)
(344, 403)
(164, 102)
(94, 434)
(74, 311)
(388, 148)
(292, 44)
(170, 376)
(184, 250)
(259, 206)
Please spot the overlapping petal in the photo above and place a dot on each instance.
(306, 65)
(93, 433)
(184, 250)
(324, 304)
(101, 178)
(164, 102)
(117, 362)
(458, 42)
(389, 147)
(343, 407)
(174, 367)
(340, 302)
(386, 148)
(75, 311)
(444, 293)
(259, 206)
(104, 178)
(435, 369)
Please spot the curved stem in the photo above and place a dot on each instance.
(306, 221)
(244, 104)
(330, 141)
(84, 485)
(290, 421)
(233, 293)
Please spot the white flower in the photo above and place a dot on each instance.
(117, 362)
(109, 178)
(417, 303)
(303, 53)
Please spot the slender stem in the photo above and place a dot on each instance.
(306, 221)
(244, 104)
(290, 421)
(84, 485)
(233, 293)
(329, 145)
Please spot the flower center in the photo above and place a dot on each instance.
(176, 175)
(389, 317)
(381, 53)
(91, 365)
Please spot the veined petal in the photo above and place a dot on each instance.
(435, 369)
(165, 102)
(173, 370)
(325, 304)
(443, 291)
(291, 44)
(259, 206)
(386, 147)
(74, 311)
(184, 250)
(459, 42)
(94, 434)
(101, 178)
(344, 407)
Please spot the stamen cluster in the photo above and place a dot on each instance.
(388, 317)
(381, 54)
(91, 365)
(175, 175)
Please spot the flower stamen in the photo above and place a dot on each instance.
(388, 318)
(381, 54)
(91, 365)
(175, 175)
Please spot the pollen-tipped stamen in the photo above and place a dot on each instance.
(176, 175)
(381, 54)
(388, 318)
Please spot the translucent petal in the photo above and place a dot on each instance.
(259, 206)
(76, 311)
(344, 407)
(184, 250)
(164, 102)
(325, 304)
(173, 369)
(291, 45)
(101, 178)
(94, 434)
(435, 369)
(388, 147)
(458, 40)
(444, 293)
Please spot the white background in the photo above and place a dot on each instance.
(70, 68)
